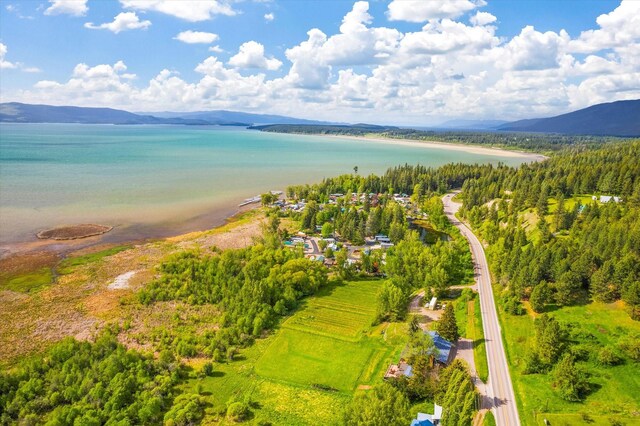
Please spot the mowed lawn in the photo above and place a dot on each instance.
(616, 389)
(341, 312)
(326, 343)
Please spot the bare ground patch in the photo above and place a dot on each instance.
(80, 303)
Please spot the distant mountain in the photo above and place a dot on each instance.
(621, 118)
(244, 117)
(325, 129)
(15, 112)
(472, 124)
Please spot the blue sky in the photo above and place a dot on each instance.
(400, 61)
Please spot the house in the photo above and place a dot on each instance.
(398, 370)
(607, 198)
(432, 303)
(386, 245)
(429, 419)
(443, 346)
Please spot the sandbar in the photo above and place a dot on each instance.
(472, 149)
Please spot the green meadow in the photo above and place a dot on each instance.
(309, 369)
(614, 395)
(342, 312)
(328, 344)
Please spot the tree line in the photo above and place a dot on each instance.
(513, 140)
(587, 251)
(94, 384)
(252, 288)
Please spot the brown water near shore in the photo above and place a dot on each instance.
(135, 233)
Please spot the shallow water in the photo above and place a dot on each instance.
(152, 180)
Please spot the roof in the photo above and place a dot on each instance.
(423, 419)
(437, 412)
(443, 346)
(407, 371)
(398, 370)
(608, 198)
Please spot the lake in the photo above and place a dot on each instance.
(150, 181)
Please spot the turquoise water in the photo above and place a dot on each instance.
(169, 177)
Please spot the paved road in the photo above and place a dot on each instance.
(499, 389)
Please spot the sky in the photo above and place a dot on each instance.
(388, 62)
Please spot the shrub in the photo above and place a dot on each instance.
(238, 411)
(512, 305)
(187, 409)
(207, 370)
(607, 356)
(631, 347)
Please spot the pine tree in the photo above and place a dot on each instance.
(447, 326)
(632, 298)
(570, 380)
(550, 339)
(540, 296)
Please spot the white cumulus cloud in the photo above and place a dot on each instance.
(455, 65)
(122, 22)
(533, 50)
(68, 7)
(195, 37)
(426, 10)
(3, 52)
(251, 55)
(269, 17)
(619, 28)
(482, 18)
(189, 10)
(4, 64)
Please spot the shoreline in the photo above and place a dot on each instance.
(138, 232)
(130, 234)
(470, 148)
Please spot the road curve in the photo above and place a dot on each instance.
(500, 396)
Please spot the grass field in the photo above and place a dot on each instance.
(68, 265)
(29, 282)
(342, 312)
(468, 317)
(476, 333)
(570, 203)
(616, 389)
(490, 420)
(308, 371)
(308, 359)
(329, 342)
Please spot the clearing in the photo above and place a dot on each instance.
(614, 395)
(328, 344)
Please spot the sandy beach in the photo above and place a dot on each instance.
(471, 149)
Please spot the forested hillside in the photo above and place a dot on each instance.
(578, 250)
(511, 140)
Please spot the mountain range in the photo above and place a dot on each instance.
(238, 117)
(621, 118)
(14, 112)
